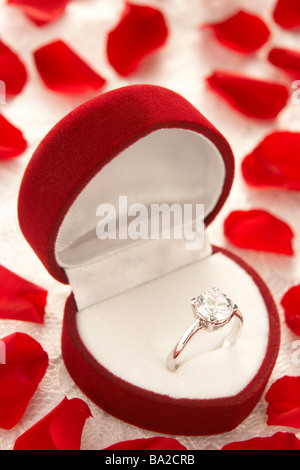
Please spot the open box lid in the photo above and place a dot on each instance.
(136, 140)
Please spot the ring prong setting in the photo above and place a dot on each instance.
(213, 309)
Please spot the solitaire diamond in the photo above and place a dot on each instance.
(213, 308)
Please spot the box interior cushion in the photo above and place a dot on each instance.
(167, 166)
(132, 333)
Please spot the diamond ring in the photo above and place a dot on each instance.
(212, 311)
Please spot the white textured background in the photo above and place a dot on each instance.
(181, 65)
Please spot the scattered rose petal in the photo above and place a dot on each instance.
(20, 299)
(286, 59)
(64, 71)
(242, 32)
(154, 443)
(24, 367)
(254, 98)
(259, 230)
(280, 441)
(61, 429)
(274, 162)
(41, 12)
(283, 398)
(287, 13)
(141, 31)
(12, 71)
(291, 304)
(12, 142)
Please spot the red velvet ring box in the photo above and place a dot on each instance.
(131, 298)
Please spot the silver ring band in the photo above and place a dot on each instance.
(212, 311)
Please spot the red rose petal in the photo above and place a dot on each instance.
(12, 71)
(20, 299)
(41, 12)
(259, 230)
(274, 162)
(284, 402)
(64, 71)
(243, 32)
(141, 31)
(286, 59)
(287, 13)
(291, 304)
(12, 142)
(61, 429)
(280, 441)
(254, 98)
(154, 443)
(25, 365)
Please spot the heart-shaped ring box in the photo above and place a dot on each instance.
(130, 299)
